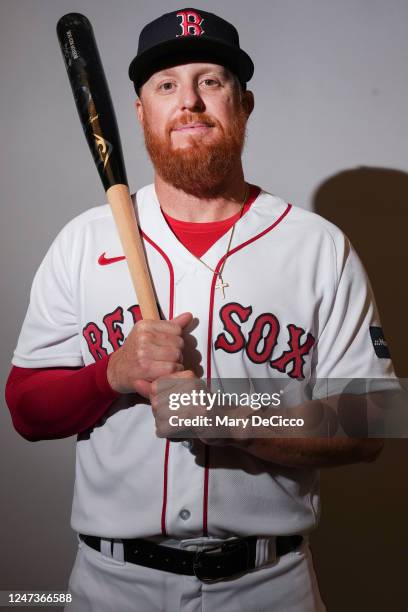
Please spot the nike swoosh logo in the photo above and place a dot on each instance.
(105, 261)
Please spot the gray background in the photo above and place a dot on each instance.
(329, 133)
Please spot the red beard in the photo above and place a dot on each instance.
(201, 168)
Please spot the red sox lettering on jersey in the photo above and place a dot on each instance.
(258, 347)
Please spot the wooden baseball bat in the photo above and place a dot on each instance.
(97, 115)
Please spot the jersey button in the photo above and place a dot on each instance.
(185, 514)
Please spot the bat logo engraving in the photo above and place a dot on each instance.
(104, 147)
(74, 52)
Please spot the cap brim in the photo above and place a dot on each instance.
(193, 48)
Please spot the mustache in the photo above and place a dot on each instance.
(196, 118)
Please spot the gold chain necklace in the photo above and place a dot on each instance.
(220, 281)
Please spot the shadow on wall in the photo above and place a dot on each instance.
(370, 205)
(360, 549)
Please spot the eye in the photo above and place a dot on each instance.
(210, 82)
(167, 86)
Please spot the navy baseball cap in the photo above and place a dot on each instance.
(189, 34)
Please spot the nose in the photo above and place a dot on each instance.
(190, 98)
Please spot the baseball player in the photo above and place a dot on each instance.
(249, 287)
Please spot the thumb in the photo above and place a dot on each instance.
(143, 388)
(183, 319)
(182, 374)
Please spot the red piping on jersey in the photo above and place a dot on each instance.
(165, 480)
(171, 314)
(205, 492)
(171, 271)
(209, 346)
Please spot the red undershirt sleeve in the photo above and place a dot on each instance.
(58, 402)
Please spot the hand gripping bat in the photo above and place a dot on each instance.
(95, 109)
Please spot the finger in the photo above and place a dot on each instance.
(154, 352)
(143, 388)
(179, 379)
(163, 326)
(159, 369)
(165, 339)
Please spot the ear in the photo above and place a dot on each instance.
(248, 101)
(139, 110)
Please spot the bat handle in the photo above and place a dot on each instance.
(125, 218)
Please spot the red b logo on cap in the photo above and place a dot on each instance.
(190, 23)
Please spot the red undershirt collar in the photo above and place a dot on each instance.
(199, 237)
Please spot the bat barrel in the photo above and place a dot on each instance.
(92, 97)
(95, 108)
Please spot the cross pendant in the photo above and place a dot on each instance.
(221, 285)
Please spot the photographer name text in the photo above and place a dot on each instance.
(241, 422)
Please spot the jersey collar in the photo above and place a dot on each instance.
(264, 211)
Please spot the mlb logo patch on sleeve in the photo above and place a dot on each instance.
(379, 342)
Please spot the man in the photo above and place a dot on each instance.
(250, 287)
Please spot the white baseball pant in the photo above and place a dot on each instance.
(103, 583)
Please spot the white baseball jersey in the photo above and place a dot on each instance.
(298, 305)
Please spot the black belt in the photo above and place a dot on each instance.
(214, 563)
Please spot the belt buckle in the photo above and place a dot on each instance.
(197, 565)
(198, 568)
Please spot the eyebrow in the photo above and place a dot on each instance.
(220, 70)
